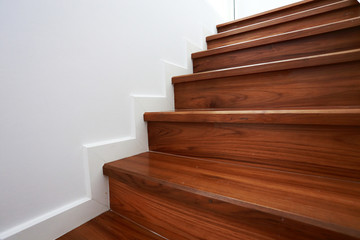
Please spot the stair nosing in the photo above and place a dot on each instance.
(350, 117)
(232, 200)
(287, 36)
(301, 62)
(288, 18)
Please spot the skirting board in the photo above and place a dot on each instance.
(100, 153)
(62, 220)
(57, 222)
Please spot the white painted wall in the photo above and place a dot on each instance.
(246, 8)
(67, 70)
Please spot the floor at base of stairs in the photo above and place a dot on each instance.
(108, 226)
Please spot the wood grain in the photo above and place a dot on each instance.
(273, 13)
(329, 85)
(301, 62)
(340, 40)
(325, 28)
(110, 226)
(160, 192)
(349, 117)
(331, 151)
(251, 32)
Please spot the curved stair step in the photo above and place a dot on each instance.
(337, 36)
(169, 193)
(273, 13)
(333, 12)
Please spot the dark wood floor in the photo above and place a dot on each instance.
(108, 226)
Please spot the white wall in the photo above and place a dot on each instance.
(246, 8)
(67, 70)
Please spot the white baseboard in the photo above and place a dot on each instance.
(60, 221)
(55, 223)
(103, 152)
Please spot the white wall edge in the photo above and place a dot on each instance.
(99, 153)
(57, 222)
(62, 220)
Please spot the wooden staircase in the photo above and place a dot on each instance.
(265, 139)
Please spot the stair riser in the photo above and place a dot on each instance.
(332, 151)
(274, 14)
(324, 18)
(180, 214)
(323, 43)
(329, 85)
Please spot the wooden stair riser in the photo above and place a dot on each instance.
(179, 214)
(321, 86)
(332, 151)
(318, 44)
(320, 19)
(275, 13)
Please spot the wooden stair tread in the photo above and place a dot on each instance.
(301, 62)
(347, 23)
(286, 18)
(323, 202)
(110, 226)
(289, 116)
(287, 9)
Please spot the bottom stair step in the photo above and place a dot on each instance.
(188, 198)
(110, 226)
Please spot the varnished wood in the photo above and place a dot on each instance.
(110, 226)
(325, 28)
(311, 44)
(252, 32)
(309, 61)
(170, 193)
(299, 116)
(271, 147)
(323, 150)
(328, 85)
(273, 13)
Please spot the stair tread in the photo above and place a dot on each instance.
(301, 62)
(324, 202)
(272, 13)
(335, 116)
(347, 23)
(263, 13)
(286, 18)
(110, 226)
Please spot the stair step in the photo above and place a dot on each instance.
(188, 198)
(283, 140)
(349, 117)
(301, 62)
(333, 12)
(317, 81)
(337, 36)
(273, 13)
(110, 226)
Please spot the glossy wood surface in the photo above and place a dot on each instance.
(340, 40)
(268, 130)
(250, 32)
(332, 151)
(328, 85)
(273, 13)
(252, 202)
(301, 62)
(110, 226)
(325, 28)
(299, 116)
